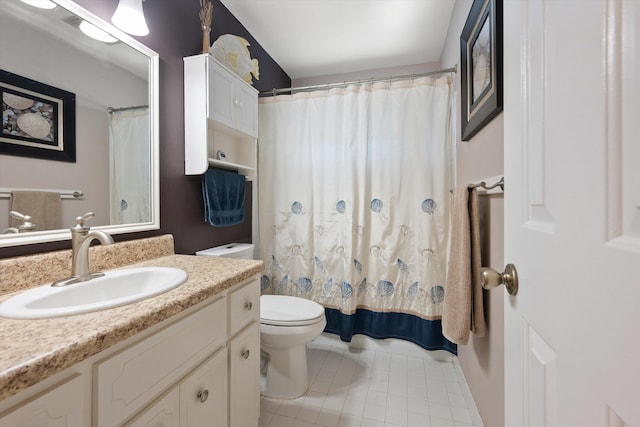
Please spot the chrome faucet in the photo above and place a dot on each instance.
(81, 239)
(26, 225)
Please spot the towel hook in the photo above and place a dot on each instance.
(490, 278)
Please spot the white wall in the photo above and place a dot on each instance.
(97, 85)
(482, 360)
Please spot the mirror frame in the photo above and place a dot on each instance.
(8, 240)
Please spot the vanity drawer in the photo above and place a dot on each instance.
(244, 306)
(128, 381)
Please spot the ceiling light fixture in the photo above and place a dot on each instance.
(96, 33)
(129, 17)
(42, 4)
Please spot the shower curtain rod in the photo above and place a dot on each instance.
(115, 110)
(275, 91)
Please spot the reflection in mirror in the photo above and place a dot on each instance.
(114, 122)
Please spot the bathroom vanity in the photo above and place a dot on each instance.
(188, 357)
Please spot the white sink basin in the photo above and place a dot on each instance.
(115, 288)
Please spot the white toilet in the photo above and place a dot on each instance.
(287, 324)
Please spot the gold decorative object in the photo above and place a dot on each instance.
(206, 12)
(233, 51)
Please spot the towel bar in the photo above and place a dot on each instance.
(5, 193)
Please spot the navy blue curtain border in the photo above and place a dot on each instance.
(425, 333)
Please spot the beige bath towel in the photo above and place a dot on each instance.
(478, 324)
(463, 307)
(44, 208)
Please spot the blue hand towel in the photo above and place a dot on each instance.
(223, 194)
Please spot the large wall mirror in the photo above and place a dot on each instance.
(109, 140)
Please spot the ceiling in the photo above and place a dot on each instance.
(310, 38)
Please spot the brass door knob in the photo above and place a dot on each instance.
(509, 278)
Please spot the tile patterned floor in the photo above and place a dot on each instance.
(374, 388)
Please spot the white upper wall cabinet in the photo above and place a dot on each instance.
(221, 118)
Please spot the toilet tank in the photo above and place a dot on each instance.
(231, 250)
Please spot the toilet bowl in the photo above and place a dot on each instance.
(287, 324)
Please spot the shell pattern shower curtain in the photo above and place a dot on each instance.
(354, 205)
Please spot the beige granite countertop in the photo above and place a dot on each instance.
(33, 350)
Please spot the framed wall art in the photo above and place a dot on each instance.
(481, 66)
(38, 120)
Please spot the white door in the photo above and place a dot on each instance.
(572, 212)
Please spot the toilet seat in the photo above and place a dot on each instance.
(284, 310)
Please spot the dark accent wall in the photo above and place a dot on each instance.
(174, 32)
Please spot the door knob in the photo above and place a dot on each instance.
(509, 278)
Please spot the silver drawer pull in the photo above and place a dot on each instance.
(203, 395)
(248, 305)
(245, 353)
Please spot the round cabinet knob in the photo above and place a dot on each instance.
(492, 279)
(236, 102)
(203, 395)
(245, 353)
(248, 305)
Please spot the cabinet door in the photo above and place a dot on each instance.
(221, 94)
(244, 307)
(128, 381)
(203, 394)
(63, 406)
(244, 378)
(165, 412)
(246, 104)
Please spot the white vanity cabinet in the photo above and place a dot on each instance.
(201, 369)
(221, 114)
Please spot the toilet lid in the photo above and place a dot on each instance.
(283, 310)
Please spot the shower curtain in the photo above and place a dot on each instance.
(354, 205)
(129, 166)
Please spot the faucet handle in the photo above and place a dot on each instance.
(18, 215)
(26, 225)
(80, 220)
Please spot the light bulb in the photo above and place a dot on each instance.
(129, 17)
(42, 4)
(96, 33)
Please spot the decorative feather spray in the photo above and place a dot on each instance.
(206, 13)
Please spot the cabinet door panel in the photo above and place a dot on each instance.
(63, 406)
(203, 394)
(244, 378)
(246, 101)
(221, 96)
(244, 307)
(165, 412)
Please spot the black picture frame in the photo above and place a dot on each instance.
(38, 120)
(481, 66)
